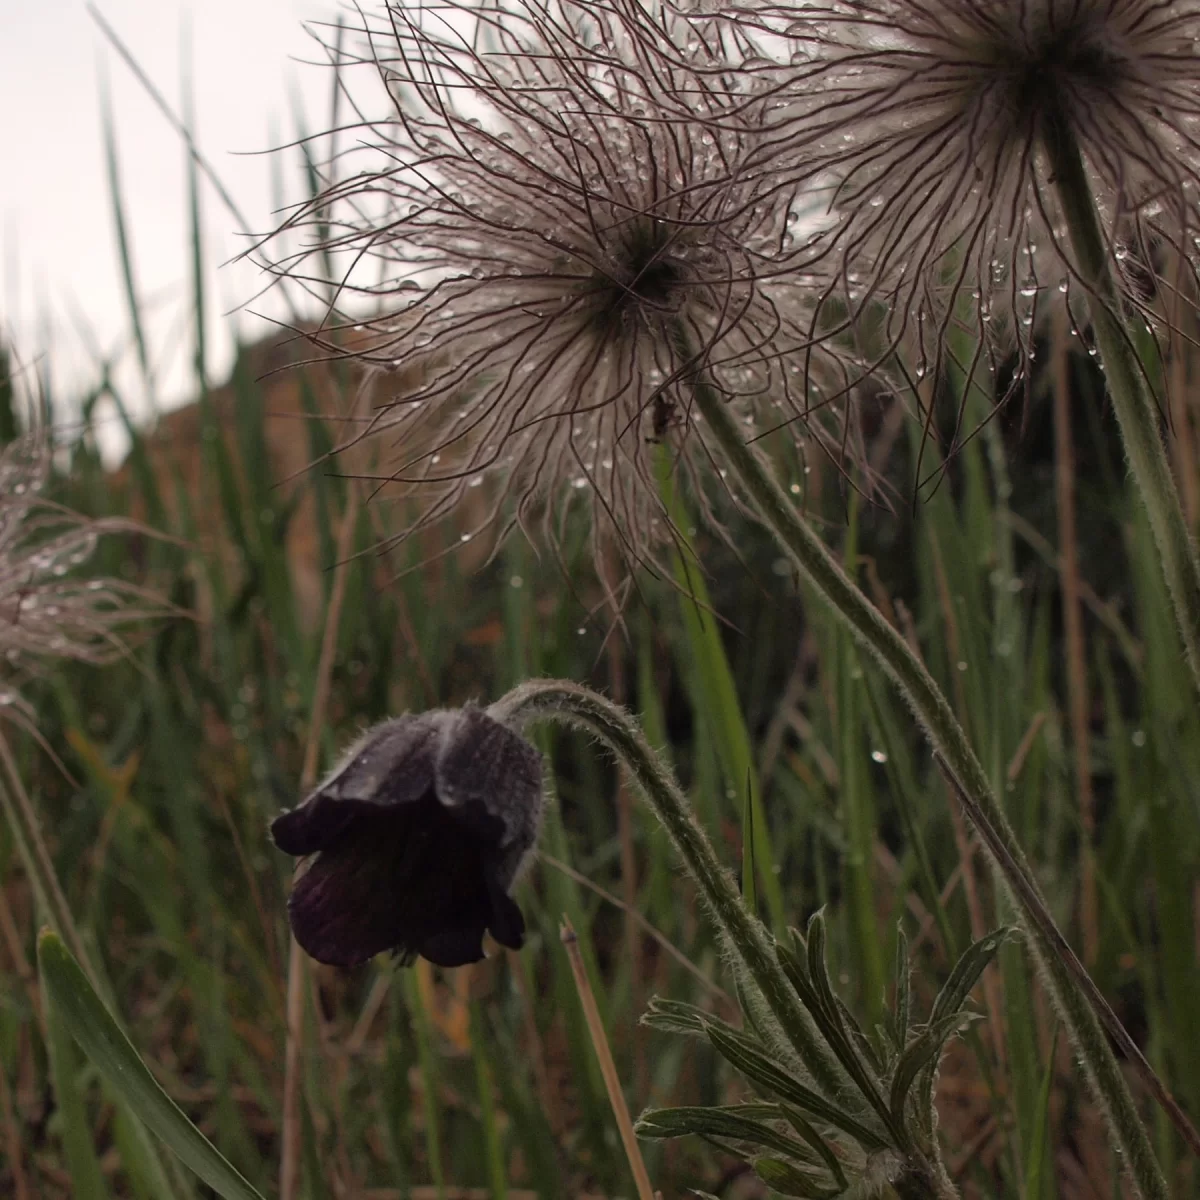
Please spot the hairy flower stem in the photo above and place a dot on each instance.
(575, 705)
(1132, 401)
(552, 699)
(876, 635)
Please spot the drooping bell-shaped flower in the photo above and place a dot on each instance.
(415, 842)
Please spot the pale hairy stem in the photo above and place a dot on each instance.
(1076, 996)
(746, 936)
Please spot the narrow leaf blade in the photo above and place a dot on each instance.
(966, 973)
(114, 1056)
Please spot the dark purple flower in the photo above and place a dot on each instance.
(415, 842)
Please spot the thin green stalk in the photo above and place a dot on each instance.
(718, 696)
(1137, 414)
(744, 933)
(429, 1080)
(35, 857)
(1065, 978)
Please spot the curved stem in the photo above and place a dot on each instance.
(576, 705)
(1137, 414)
(1063, 977)
(569, 702)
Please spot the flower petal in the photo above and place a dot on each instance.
(364, 895)
(506, 923)
(484, 767)
(317, 824)
(454, 947)
(410, 878)
(392, 763)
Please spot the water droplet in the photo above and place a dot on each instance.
(1138, 738)
(879, 756)
(961, 665)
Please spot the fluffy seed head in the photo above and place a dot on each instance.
(48, 609)
(557, 257)
(925, 126)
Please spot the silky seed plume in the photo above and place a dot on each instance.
(556, 258)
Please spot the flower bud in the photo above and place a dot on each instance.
(415, 841)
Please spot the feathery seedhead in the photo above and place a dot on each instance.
(560, 257)
(48, 610)
(925, 127)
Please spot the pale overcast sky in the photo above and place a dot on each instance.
(61, 292)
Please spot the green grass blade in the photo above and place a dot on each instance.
(1038, 1172)
(87, 1181)
(124, 249)
(716, 696)
(430, 1077)
(493, 1142)
(112, 1053)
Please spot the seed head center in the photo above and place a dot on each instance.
(643, 273)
